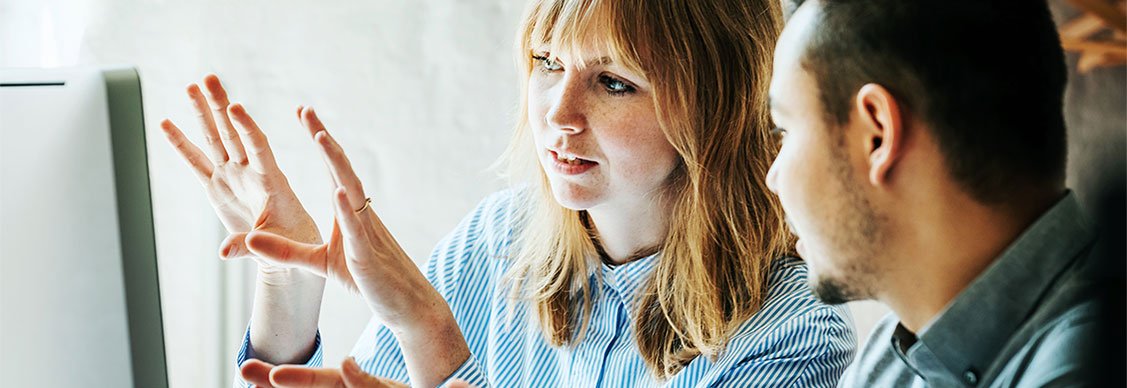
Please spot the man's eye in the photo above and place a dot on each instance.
(546, 64)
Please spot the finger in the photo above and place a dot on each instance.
(389, 383)
(336, 234)
(358, 238)
(365, 222)
(313, 124)
(234, 247)
(191, 154)
(207, 123)
(309, 119)
(259, 155)
(341, 168)
(217, 99)
(458, 384)
(300, 376)
(282, 250)
(354, 377)
(350, 222)
(257, 373)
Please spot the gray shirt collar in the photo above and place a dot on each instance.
(966, 338)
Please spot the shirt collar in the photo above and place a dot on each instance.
(966, 338)
(627, 280)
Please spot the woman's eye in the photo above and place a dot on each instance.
(615, 86)
(546, 64)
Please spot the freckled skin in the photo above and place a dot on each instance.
(574, 109)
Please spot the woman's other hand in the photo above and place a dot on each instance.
(364, 256)
(349, 375)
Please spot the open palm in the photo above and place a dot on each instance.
(239, 174)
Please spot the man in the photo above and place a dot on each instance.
(922, 166)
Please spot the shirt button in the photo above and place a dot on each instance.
(970, 376)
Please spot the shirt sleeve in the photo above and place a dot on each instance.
(246, 352)
(811, 350)
(469, 372)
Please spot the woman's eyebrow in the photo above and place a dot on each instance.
(538, 50)
(602, 61)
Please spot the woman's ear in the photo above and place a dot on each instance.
(883, 129)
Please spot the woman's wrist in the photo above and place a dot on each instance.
(425, 317)
(281, 277)
(287, 305)
(433, 348)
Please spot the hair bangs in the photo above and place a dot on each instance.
(583, 31)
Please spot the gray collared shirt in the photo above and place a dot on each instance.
(1029, 320)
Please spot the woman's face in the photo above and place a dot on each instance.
(596, 131)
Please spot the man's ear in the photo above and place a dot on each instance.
(883, 129)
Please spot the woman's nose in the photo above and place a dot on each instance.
(773, 176)
(567, 112)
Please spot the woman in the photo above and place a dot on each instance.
(639, 246)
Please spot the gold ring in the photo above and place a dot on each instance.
(367, 204)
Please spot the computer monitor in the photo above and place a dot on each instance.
(79, 301)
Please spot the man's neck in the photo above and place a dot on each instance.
(948, 245)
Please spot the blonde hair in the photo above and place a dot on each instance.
(709, 62)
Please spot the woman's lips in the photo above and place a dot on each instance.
(566, 166)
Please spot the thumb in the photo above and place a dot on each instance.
(455, 383)
(280, 250)
(234, 246)
(256, 372)
(354, 377)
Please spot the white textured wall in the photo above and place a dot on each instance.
(421, 94)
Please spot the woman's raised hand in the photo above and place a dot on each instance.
(364, 257)
(361, 253)
(239, 173)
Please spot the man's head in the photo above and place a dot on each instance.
(882, 99)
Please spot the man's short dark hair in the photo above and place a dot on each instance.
(987, 76)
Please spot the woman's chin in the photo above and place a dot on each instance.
(573, 196)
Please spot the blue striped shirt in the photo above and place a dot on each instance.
(794, 340)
